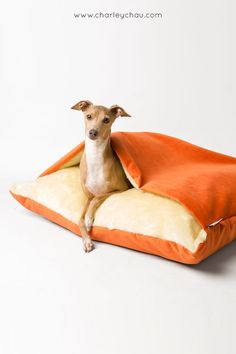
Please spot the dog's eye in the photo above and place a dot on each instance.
(89, 116)
(106, 120)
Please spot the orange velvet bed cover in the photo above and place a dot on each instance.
(202, 180)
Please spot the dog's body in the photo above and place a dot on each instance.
(101, 172)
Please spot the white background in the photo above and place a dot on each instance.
(174, 75)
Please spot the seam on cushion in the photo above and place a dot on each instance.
(220, 222)
(220, 235)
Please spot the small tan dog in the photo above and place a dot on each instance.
(101, 172)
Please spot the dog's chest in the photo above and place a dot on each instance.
(95, 177)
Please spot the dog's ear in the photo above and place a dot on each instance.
(118, 111)
(82, 105)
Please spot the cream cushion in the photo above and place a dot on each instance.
(134, 210)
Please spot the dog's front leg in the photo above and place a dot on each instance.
(87, 243)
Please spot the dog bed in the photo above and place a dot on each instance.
(181, 206)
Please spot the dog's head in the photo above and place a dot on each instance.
(99, 119)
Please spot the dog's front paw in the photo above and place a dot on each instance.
(88, 222)
(88, 245)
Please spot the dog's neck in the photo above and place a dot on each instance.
(96, 149)
(97, 153)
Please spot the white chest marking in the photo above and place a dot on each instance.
(95, 179)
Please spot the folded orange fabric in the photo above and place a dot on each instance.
(201, 180)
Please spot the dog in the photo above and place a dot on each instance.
(101, 172)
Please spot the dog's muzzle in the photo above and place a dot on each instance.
(93, 133)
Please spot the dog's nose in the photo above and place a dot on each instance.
(93, 133)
